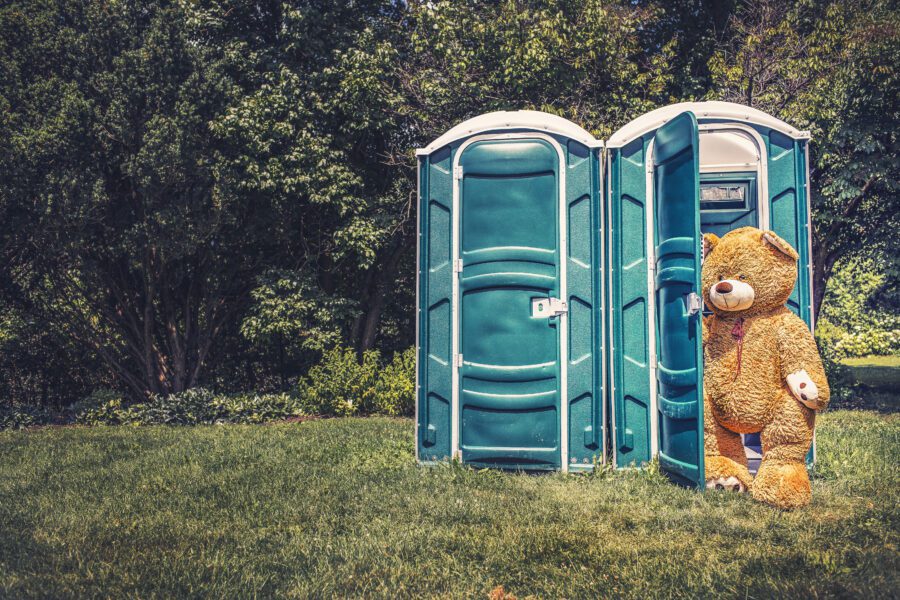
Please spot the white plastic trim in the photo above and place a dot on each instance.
(610, 392)
(601, 191)
(655, 119)
(761, 167)
(518, 119)
(418, 309)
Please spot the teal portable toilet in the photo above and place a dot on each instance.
(672, 173)
(559, 301)
(510, 296)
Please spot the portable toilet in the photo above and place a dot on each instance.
(534, 260)
(509, 294)
(672, 173)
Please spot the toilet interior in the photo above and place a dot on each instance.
(730, 178)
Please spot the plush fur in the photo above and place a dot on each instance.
(780, 383)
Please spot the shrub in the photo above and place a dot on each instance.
(260, 408)
(192, 407)
(15, 416)
(197, 406)
(101, 407)
(849, 326)
(340, 385)
(395, 390)
(860, 340)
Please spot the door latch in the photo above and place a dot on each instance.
(694, 304)
(548, 307)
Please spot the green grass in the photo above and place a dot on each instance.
(879, 381)
(878, 372)
(338, 508)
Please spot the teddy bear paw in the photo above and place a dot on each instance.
(726, 483)
(804, 388)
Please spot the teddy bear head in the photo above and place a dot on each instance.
(747, 271)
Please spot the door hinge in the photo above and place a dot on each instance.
(459, 360)
(694, 304)
(458, 172)
(457, 265)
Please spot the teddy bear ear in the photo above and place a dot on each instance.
(709, 243)
(771, 238)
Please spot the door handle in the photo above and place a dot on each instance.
(548, 307)
(693, 303)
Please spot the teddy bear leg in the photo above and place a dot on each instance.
(782, 479)
(726, 462)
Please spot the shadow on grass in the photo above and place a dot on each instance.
(868, 383)
(866, 398)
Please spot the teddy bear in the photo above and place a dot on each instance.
(762, 370)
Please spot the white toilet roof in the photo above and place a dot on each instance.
(516, 119)
(702, 110)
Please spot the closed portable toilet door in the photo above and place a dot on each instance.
(511, 322)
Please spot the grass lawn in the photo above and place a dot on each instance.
(879, 377)
(879, 372)
(338, 508)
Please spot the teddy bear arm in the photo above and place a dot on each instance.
(801, 365)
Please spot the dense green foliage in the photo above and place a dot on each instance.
(853, 323)
(215, 193)
(196, 406)
(340, 385)
(338, 508)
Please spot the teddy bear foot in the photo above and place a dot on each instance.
(722, 473)
(783, 485)
(726, 483)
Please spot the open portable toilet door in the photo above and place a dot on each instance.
(677, 239)
(669, 178)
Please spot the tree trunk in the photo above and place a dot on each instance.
(377, 296)
(823, 265)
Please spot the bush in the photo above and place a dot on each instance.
(340, 385)
(849, 326)
(101, 407)
(395, 390)
(860, 340)
(260, 408)
(192, 407)
(14, 416)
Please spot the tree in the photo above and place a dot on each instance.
(212, 192)
(830, 67)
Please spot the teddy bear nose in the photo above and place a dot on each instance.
(724, 287)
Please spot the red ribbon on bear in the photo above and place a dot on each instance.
(737, 332)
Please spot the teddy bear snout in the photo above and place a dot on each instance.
(731, 295)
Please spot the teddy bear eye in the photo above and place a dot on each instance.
(721, 278)
(742, 277)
